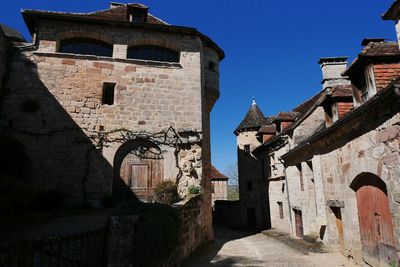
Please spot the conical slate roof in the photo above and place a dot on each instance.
(253, 119)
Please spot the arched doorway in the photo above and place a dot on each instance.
(375, 220)
(138, 168)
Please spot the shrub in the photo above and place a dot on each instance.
(195, 190)
(166, 193)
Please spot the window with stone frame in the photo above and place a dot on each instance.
(300, 170)
(246, 149)
(153, 53)
(108, 94)
(249, 185)
(280, 206)
(85, 46)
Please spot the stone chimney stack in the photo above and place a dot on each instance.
(393, 13)
(332, 69)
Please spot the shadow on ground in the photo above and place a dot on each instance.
(206, 255)
(306, 245)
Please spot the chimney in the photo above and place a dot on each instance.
(332, 69)
(393, 13)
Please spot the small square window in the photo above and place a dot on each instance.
(249, 186)
(247, 149)
(108, 93)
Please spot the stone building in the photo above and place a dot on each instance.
(331, 167)
(253, 208)
(112, 102)
(219, 185)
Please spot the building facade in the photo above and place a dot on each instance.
(219, 185)
(332, 165)
(112, 102)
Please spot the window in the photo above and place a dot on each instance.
(301, 176)
(155, 53)
(247, 149)
(212, 66)
(249, 186)
(280, 205)
(85, 46)
(108, 93)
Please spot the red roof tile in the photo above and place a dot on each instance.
(216, 174)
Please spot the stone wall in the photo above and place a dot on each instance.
(252, 187)
(277, 191)
(149, 97)
(194, 229)
(376, 152)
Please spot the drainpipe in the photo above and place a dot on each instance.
(287, 186)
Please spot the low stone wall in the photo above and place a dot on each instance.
(227, 213)
(193, 231)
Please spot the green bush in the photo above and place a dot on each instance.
(194, 190)
(166, 193)
(15, 197)
(156, 234)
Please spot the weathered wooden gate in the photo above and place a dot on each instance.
(375, 221)
(143, 176)
(298, 217)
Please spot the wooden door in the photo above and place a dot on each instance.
(298, 217)
(339, 226)
(376, 227)
(140, 179)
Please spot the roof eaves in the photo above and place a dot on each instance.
(345, 118)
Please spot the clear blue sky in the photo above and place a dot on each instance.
(272, 47)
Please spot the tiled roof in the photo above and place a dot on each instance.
(393, 13)
(119, 13)
(287, 116)
(341, 91)
(253, 119)
(306, 105)
(12, 34)
(269, 129)
(216, 174)
(375, 50)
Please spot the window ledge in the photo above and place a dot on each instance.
(110, 59)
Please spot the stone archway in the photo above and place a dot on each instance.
(375, 220)
(138, 168)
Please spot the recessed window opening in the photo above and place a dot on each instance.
(249, 186)
(108, 93)
(280, 205)
(247, 149)
(154, 53)
(85, 46)
(212, 66)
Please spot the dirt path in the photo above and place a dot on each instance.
(246, 249)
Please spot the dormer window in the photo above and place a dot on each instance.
(137, 14)
(370, 88)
